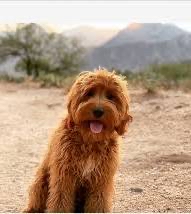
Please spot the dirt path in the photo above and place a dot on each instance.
(155, 173)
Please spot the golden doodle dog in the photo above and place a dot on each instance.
(77, 173)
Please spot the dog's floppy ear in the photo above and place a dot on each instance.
(122, 127)
(69, 120)
(69, 123)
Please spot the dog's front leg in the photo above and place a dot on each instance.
(39, 191)
(61, 193)
(100, 198)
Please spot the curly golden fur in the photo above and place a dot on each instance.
(77, 174)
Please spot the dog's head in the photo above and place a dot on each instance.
(98, 104)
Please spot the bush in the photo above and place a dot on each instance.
(166, 76)
(55, 80)
(155, 77)
(8, 78)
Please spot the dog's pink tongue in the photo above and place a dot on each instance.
(96, 126)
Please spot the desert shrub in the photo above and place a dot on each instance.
(8, 78)
(55, 80)
(153, 78)
(166, 76)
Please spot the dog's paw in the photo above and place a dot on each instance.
(31, 210)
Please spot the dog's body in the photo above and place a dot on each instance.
(78, 171)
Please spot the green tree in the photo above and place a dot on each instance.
(65, 55)
(39, 51)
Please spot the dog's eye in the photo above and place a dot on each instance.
(90, 93)
(110, 96)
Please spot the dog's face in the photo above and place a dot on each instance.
(99, 104)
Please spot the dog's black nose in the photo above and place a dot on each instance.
(98, 112)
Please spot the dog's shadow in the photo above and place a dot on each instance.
(80, 199)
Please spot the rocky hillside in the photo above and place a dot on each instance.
(140, 45)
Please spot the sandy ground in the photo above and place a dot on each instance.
(155, 172)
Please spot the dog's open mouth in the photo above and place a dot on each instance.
(96, 126)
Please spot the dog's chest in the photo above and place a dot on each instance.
(88, 166)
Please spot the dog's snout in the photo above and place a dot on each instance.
(98, 112)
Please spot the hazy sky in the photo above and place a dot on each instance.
(112, 14)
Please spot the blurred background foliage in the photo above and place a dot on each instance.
(41, 55)
(53, 59)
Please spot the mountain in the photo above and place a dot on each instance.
(90, 36)
(140, 45)
(145, 32)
